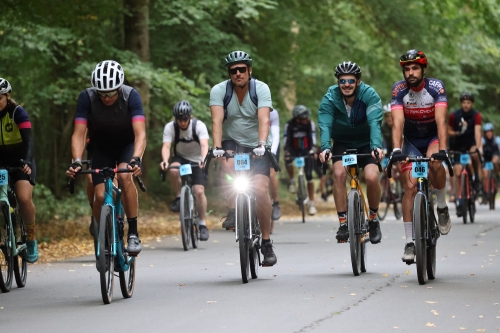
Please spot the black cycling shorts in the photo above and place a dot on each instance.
(309, 161)
(18, 174)
(259, 166)
(109, 157)
(339, 148)
(197, 176)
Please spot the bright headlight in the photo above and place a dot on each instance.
(241, 184)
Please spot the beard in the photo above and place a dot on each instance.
(414, 84)
(351, 94)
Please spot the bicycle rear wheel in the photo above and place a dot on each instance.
(493, 191)
(254, 261)
(127, 278)
(20, 262)
(353, 223)
(465, 201)
(398, 197)
(6, 260)
(472, 210)
(301, 195)
(431, 249)
(185, 218)
(106, 260)
(194, 235)
(242, 225)
(419, 225)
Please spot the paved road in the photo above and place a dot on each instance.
(312, 288)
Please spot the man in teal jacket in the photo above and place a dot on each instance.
(350, 114)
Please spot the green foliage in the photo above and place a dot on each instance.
(49, 208)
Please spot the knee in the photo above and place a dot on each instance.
(174, 173)
(339, 175)
(199, 192)
(24, 201)
(372, 178)
(124, 179)
(261, 193)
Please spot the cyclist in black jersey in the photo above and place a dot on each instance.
(491, 146)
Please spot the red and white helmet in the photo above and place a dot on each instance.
(107, 76)
(5, 87)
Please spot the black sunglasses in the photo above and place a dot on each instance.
(350, 81)
(235, 70)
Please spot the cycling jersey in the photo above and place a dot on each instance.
(187, 147)
(419, 106)
(491, 148)
(299, 136)
(468, 139)
(110, 126)
(387, 136)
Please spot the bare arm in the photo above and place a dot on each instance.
(78, 140)
(217, 119)
(478, 135)
(165, 154)
(139, 128)
(398, 118)
(204, 148)
(263, 114)
(442, 127)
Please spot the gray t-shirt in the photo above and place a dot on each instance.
(242, 123)
(189, 150)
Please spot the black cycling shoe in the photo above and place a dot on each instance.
(203, 233)
(230, 222)
(375, 232)
(342, 233)
(270, 258)
(176, 205)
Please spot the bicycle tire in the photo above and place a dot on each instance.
(364, 260)
(472, 210)
(185, 217)
(419, 224)
(492, 192)
(398, 197)
(106, 259)
(20, 262)
(431, 251)
(195, 235)
(6, 259)
(353, 223)
(254, 261)
(242, 225)
(386, 197)
(127, 279)
(301, 194)
(465, 200)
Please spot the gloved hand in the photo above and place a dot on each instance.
(322, 156)
(135, 161)
(74, 168)
(441, 156)
(464, 127)
(218, 152)
(397, 156)
(260, 150)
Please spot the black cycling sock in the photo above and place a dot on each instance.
(342, 214)
(276, 203)
(132, 225)
(264, 241)
(373, 210)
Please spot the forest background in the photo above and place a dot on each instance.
(174, 49)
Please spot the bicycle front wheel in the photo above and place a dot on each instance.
(106, 260)
(301, 194)
(6, 260)
(127, 279)
(465, 201)
(185, 217)
(492, 192)
(242, 226)
(20, 262)
(419, 226)
(398, 197)
(354, 216)
(472, 210)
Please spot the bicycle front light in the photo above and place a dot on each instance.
(241, 184)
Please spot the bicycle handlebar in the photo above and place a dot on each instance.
(163, 172)
(108, 172)
(478, 152)
(388, 168)
(327, 156)
(18, 168)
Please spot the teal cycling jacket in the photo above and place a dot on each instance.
(358, 130)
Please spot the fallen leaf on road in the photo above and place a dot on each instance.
(431, 302)
(327, 240)
(71, 270)
(332, 297)
(85, 265)
(481, 330)
(274, 275)
(404, 286)
(395, 327)
(353, 294)
(385, 274)
(216, 241)
(150, 265)
(462, 328)
(495, 303)
(182, 284)
(429, 287)
(290, 270)
(430, 325)
(462, 252)
(211, 302)
(435, 312)
(332, 267)
(1, 307)
(480, 316)
(407, 272)
(472, 274)
(229, 264)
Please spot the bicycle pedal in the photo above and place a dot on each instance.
(231, 229)
(341, 240)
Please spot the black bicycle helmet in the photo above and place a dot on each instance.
(348, 67)
(413, 56)
(301, 111)
(466, 95)
(182, 110)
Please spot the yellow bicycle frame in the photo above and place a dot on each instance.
(353, 173)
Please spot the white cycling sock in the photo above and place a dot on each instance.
(311, 203)
(441, 197)
(202, 222)
(409, 231)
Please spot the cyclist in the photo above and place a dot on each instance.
(464, 125)
(274, 120)
(114, 116)
(243, 126)
(17, 144)
(419, 105)
(300, 141)
(189, 137)
(387, 129)
(350, 114)
(491, 148)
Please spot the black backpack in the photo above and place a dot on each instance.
(177, 130)
(229, 94)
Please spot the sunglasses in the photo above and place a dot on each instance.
(350, 81)
(235, 70)
(108, 94)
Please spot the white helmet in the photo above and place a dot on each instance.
(107, 76)
(5, 87)
(387, 108)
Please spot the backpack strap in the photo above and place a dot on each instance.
(195, 137)
(176, 136)
(228, 96)
(252, 91)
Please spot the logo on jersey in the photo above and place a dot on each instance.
(398, 88)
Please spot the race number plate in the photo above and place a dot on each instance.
(488, 166)
(241, 162)
(419, 169)
(300, 162)
(349, 160)
(4, 177)
(384, 162)
(185, 169)
(464, 158)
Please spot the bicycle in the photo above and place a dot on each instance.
(111, 255)
(13, 249)
(357, 207)
(491, 186)
(302, 195)
(247, 230)
(466, 192)
(188, 214)
(425, 224)
(391, 193)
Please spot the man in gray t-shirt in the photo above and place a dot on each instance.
(243, 127)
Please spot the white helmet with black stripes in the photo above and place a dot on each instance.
(107, 76)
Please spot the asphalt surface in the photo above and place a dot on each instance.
(311, 289)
